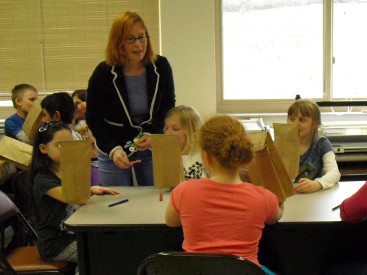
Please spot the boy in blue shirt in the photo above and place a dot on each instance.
(23, 96)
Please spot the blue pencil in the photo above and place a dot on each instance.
(117, 203)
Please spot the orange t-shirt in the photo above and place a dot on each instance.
(223, 218)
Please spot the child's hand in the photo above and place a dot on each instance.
(307, 186)
(98, 190)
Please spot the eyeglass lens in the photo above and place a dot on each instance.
(132, 39)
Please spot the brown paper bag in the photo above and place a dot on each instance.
(33, 120)
(167, 161)
(267, 169)
(75, 170)
(16, 152)
(286, 140)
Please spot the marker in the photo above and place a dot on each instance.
(135, 161)
(335, 208)
(117, 203)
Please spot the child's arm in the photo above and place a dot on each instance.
(22, 136)
(98, 190)
(305, 185)
(278, 215)
(56, 192)
(354, 208)
(331, 174)
(329, 179)
(172, 217)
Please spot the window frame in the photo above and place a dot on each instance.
(274, 106)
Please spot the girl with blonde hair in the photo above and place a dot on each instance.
(184, 121)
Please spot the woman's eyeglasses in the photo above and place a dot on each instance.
(45, 126)
(132, 39)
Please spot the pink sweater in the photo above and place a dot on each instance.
(223, 218)
(354, 208)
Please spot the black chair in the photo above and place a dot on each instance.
(188, 263)
(24, 259)
(19, 195)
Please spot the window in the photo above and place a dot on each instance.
(274, 50)
(55, 45)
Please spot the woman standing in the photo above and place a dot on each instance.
(129, 95)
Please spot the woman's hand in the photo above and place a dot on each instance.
(143, 143)
(98, 190)
(121, 160)
(307, 186)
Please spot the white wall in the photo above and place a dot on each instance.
(188, 41)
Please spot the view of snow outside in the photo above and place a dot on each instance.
(274, 49)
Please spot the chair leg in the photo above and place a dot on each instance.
(4, 265)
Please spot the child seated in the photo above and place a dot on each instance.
(59, 107)
(80, 125)
(354, 208)
(184, 121)
(222, 214)
(317, 167)
(48, 207)
(23, 96)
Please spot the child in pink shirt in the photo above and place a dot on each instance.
(354, 208)
(222, 214)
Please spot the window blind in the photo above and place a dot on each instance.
(55, 45)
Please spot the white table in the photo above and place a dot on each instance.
(309, 237)
(317, 207)
(144, 207)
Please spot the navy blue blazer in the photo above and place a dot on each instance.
(108, 110)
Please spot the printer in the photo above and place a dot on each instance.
(349, 140)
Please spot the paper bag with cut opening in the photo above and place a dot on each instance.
(167, 161)
(267, 169)
(75, 164)
(33, 120)
(16, 152)
(286, 140)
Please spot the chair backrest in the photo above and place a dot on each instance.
(7, 207)
(21, 190)
(189, 263)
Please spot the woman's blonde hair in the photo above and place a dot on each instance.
(225, 138)
(190, 121)
(115, 53)
(307, 108)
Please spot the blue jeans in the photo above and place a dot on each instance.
(111, 175)
(267, 270)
